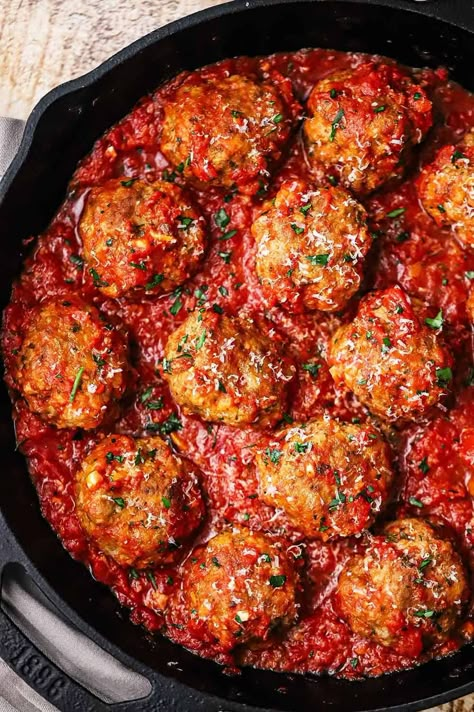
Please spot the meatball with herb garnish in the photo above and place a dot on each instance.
(227, 131)
(330, 478)
(238, 588)
(363, 122)
(227, 370)
(390, 359)
(137, 500)
(72, 365)
(141, 238)
(311, 245)
(408, 589)
(446, 189)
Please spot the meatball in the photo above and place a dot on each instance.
(226, 131)
(137, 501)
(392, 361)
(363, 122)
(330, 478)
(407, 590)
(311, 244)
(446, 189)
(227, 370)
(140, 238)
(72, 365)
(239, 587)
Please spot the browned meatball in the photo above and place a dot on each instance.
(311, 244)
(237, 588)
(330, 478)
(446, 189)
(407, 590)
(137, 501)
(392, 361)
(72, 365)
(141, 238)
(227, 370)
(226, 131)
(363, 122)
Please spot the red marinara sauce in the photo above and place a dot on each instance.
(433, 459)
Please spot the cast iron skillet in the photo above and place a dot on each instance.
(61, 129)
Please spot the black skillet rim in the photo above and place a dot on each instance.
(453, 13)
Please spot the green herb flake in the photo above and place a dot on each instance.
(278, 118)
(379, 109)
(277, 581)
(157, 404)
(305, 208)
(336, 124)
(76, 384)
(457, 155)
(469, 274)
(128, 183)
(424, 614)
(215, 561)
(396, 213)
(217, 309)
(312, 368)
(226, 256)
(221, 218)
(417, 95)
(176, 306)
(155, 281)
(200, 340)
(223, 291)
(444, 376)
(228, 235)
(423, 466)
(146, 395)
(301, 447)
(318, 259)
(415, 502)
(119, 501)
(151, 578)
(185, 222)
(354, 662)
(133, 573)
(296, 229)
(436, 322)
(274, 455)
(76, 260)
(441, 208)
(97, 279)
(166, 502)
(424, 563)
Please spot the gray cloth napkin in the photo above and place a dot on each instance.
(57, 638)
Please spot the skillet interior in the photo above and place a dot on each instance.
(67, 123)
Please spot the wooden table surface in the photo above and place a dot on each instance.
(45, 42)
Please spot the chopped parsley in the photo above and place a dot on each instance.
(277, 118)
(228, 235)
(305, 208)
(215, 561)
(296, 229)
(424, 563)
(336, 124)
(273, 455)
(423, 466)
(185, 222)
(415, 502)
(226, 256)
(379, 109)
(166, 502)
(424, 614)
(176, 306)
(318, 259)
(200, 340)
(155, 281)
(76, 260)
(76, 384)
(221, 218)
(277, 581)
(457, 155)
(436, 322)
(97, 279)
(396, 213)
(119, 501)
(444, 376)
(138, 265)
(151, 578)
(312, 368)
(301, 447)
(128, 183)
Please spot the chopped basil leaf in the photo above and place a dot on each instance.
(119, 501)
(436, 322)
(277, 581)
(318, 259)
(396, 213)
(336, 124)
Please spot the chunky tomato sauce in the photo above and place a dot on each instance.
(434, 459)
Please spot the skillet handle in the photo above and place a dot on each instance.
(11, 131)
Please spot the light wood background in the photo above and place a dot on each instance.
(45, 42)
